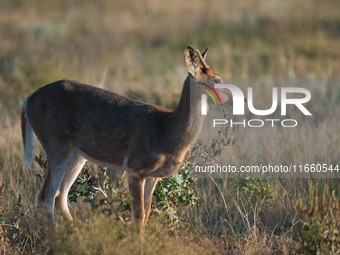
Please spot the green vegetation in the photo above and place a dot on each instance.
(135, 49)
(319, 222)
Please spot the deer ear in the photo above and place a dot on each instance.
(191, 60)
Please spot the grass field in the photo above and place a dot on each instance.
(136, 49)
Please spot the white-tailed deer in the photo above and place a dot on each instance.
(76, 122)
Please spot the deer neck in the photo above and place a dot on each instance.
(186, 121)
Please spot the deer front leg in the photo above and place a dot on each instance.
(150, 185)
(136, 187)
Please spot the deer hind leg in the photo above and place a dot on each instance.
(150, 185)
(56, 169)
(71, 174)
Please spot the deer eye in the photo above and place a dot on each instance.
(217, 81)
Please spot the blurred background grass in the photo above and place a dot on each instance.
(136, 48)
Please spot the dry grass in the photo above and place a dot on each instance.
(136, 49)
